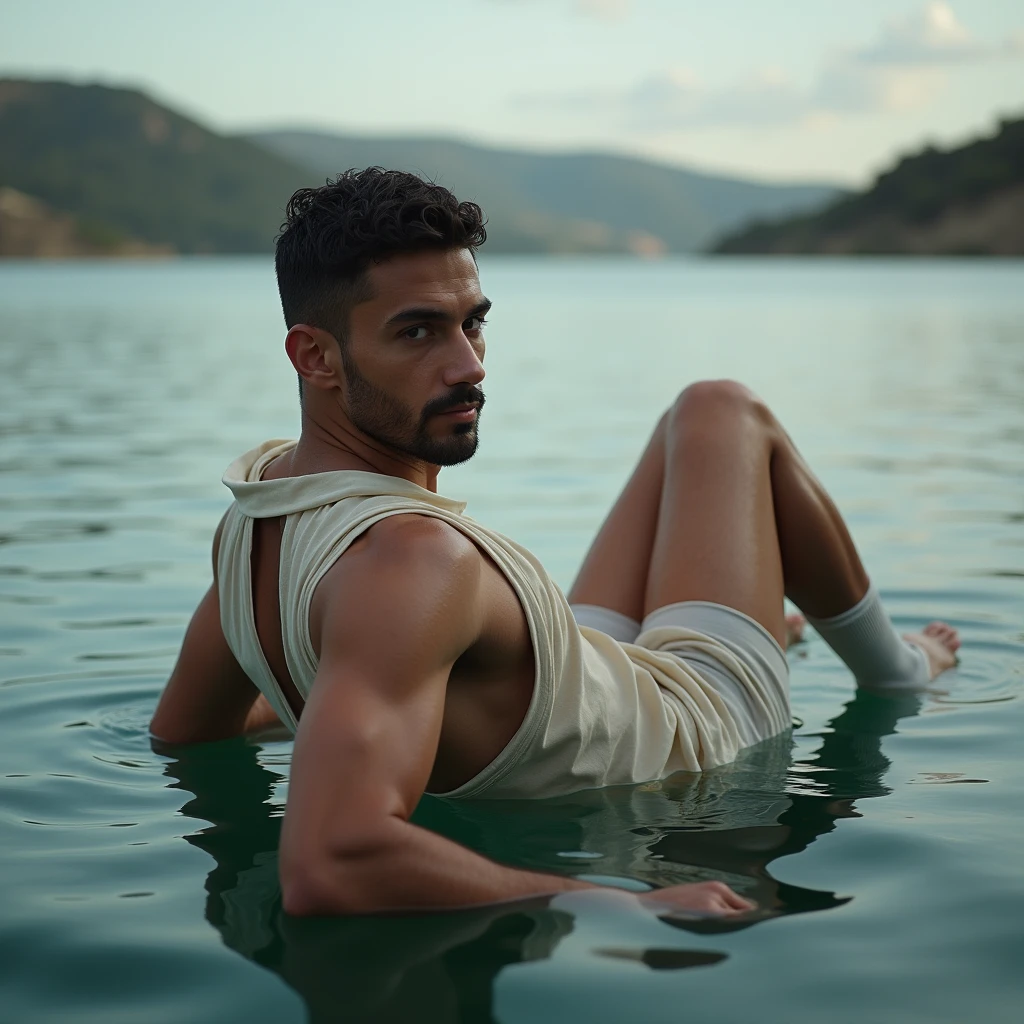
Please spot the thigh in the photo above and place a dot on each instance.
(614, 572)
(716, 537)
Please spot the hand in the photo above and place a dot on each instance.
(699, 899)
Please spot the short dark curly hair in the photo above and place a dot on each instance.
(333, 233)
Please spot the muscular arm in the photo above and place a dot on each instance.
(392, 618)
(208, 696)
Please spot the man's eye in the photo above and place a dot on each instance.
(474, 323)
(416, 333)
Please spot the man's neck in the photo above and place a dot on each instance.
(328, 447)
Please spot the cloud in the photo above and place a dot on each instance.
(850, 87)
(677, 98)
(904, 68)
(906, 65)
(605, 10)
(931, 35)
(600, 10)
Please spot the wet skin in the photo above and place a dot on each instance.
(386, 721)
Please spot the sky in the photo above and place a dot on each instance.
(805, 90)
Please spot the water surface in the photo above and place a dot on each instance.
(884, 835)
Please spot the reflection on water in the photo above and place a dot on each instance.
(141, 884)
(729, 824)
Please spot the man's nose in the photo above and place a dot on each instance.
(466, 366)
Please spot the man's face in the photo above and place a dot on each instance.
(414, 356)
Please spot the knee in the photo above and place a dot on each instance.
(711, 400)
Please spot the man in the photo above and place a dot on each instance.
(412, 650)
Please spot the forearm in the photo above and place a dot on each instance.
(261, 716)
(407, 868)
(208, 696)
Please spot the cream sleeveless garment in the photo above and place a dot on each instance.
(602, 713)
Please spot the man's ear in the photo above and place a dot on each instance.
(315, 355)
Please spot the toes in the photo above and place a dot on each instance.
(795, 626)
(942, 631)
(949, 637)
(944, 634)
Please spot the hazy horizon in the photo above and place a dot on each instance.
(805, 93)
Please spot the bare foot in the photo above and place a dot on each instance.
(795, 626)
(940, 643)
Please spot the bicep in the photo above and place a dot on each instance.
(208, 695)
(360, 756)
(368, 736)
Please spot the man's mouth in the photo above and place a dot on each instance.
(461, 413)
(451, 409)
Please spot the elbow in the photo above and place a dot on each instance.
(336, 887)
(303, 896)
(352, 874)
(164, 733)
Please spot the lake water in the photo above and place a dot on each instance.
(884, 836)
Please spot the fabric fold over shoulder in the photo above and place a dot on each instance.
(603, 713)
(266, 499)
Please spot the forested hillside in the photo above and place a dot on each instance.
(110, 170)
(563, 202)
(968, 200)
(133, 168)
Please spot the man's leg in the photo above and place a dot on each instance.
(614, 572)
(696, 520)
(740, 521)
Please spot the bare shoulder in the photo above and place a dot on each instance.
(415, 574)
(409, 540)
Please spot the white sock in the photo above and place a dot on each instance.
(879, 658)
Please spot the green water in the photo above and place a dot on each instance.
(884, 835)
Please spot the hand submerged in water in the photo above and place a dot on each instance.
(694, 905)
(693, 900)
(700, 899)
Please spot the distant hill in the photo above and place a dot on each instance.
(29, 228)
(112, 171)
(131, 168)
(562, 202)
(968, 200)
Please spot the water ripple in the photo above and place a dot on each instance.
(142, 880)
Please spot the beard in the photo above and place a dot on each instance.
(384, 419)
